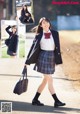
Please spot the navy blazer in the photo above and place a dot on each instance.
(35, 49)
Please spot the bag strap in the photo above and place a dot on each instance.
(24, 72)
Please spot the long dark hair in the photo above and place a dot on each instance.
(39, 28)
(25, 9)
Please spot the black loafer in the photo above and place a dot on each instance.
(37, 103)
(57, 104)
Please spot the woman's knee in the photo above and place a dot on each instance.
(45, 80)
(48, 78)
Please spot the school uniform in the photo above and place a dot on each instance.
(24, 18)
(13, 44)
(45, 52)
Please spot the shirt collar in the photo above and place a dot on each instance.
(45, 31)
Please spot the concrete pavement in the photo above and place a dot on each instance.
(10, 71)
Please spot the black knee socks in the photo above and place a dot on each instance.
(55, 98)
(36, 96)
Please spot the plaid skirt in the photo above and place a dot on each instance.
(46, 62)
(10, 53)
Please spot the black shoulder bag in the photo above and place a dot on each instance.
(7, 42)
(22, 84)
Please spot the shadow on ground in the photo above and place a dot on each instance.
(66, 79)
(24, 106)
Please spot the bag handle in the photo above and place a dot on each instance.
(24, 72)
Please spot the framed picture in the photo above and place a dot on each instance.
(24, 12)
(6, 27)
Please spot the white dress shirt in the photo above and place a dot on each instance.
(47, 44)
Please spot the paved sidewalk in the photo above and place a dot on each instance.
(10, 71)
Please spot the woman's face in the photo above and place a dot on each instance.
(14, 29)
(45, 25)
(24, 7)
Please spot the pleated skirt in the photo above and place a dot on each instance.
(46, 62)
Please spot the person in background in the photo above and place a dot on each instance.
(12, 41)
(45, 54)
(25, 15)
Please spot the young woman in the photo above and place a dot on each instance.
(25, 15)
(13, 41)
(45, 53)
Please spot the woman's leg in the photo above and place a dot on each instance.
(49, 79)
(52, 91)
(42, 85)
(39, 91)
(50, 84)
(13, 56)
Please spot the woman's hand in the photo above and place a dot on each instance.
(27, 14)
